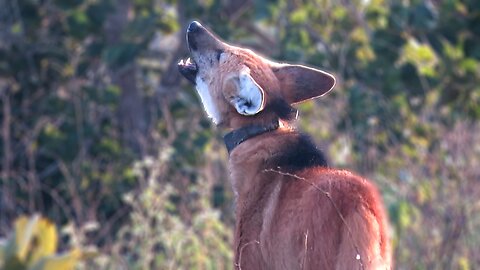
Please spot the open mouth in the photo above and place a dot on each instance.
(188, 68)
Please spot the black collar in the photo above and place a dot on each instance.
(236, 137)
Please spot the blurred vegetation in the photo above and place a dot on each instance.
(101, 135)
(32, 246)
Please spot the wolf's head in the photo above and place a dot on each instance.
(239, 87)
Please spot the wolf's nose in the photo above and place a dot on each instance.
(193, 26)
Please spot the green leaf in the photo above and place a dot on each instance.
(53, 132)
(469, 65)
(16, 28)
(299, 16)
(78, 24)
(339, 13)
(13, 263)
(421, 55)
(403, 215)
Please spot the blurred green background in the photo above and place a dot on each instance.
(99, 134)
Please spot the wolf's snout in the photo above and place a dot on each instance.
(201, 39)
(192, 33)
(197, 36)
(202, 45)
(193, 26)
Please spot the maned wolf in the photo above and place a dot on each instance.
(292, 210)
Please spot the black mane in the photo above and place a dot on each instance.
(301, 154)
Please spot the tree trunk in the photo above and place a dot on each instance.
(131, 109)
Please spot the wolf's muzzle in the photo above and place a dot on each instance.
(192, 32)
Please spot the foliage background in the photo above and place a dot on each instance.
(100, 134)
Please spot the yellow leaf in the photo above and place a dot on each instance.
(46, 241)
(89, 253)
(463, 263)
(365, 54)
(359, 35)
(34, 238)
(59, 262)
(24, 232)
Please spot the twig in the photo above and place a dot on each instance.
(239, 262)
(108, 224)
(169, 120)
(72, 189)
(6, 162)
(306, 248)
(7, 190)
(58, 199)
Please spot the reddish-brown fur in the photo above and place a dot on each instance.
(317, 218)
(310, 218)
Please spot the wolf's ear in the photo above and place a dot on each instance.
(299, 83)
(244, 93)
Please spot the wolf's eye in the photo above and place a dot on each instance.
(219, 54)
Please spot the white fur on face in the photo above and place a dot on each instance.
(250, 96)
(207, 100)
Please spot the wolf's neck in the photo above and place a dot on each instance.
(283, 149)
(238, 136)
